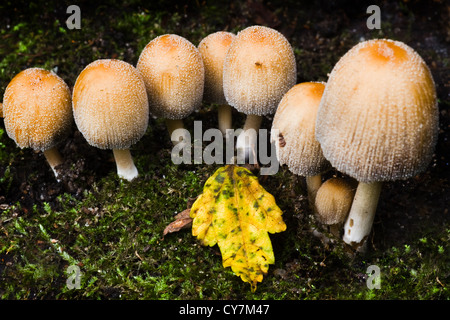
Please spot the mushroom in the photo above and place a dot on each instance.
(377, 121)
(37, 112)
(174, 76)
(332, 204)
(259, 69)
(213, 50)
(295, 142)
(110, 108)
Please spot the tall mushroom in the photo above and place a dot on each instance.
(213, 50)
(110, 108)
(174, 76)
(377, 121)
(259, 69)
(37, 112)
(296, 145)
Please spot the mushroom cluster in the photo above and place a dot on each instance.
(377, 121)
(111, 100)
(374, 120)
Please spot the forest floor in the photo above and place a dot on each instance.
(113, 229)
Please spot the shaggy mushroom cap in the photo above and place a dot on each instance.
(174, 76)
(333, 201)
(259, 69)
(378, 118)
(110, 104)
(295, 118)
(213, 49)
(37, 109)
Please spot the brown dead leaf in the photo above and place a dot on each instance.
(182, 221)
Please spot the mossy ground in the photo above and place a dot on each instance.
(112, 229)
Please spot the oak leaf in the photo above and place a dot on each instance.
(237, 213)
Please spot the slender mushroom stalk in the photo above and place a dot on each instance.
(378, 121)
(362, 213)
(125, 164)
(37, 112)
(296, 145)
(259, 68)
(54, 159)
(174, 76)
(172, 126)
(225, 118)
(247, 140)
(101, 82)
(213, 50)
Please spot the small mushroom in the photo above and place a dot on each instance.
(296, 145)
(110, 108)
(332, 204)
(259, 69)
(37, 112)
(377, 121)
(213, 49)
(174, 76)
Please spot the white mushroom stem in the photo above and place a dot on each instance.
(224, 115)
(54, 159)
(125, 165)
(360, 219)
(313, 184)
(246, 141)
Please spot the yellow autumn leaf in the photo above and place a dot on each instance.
(237, 213)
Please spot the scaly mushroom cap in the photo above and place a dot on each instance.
(259, 69)
(213, 49)
(295, 118)
(110, 104)
(333, 201)
(37, 109)
(378, 118)
(174, 76)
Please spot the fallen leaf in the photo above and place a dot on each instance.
(182, 221)
(237, 213)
